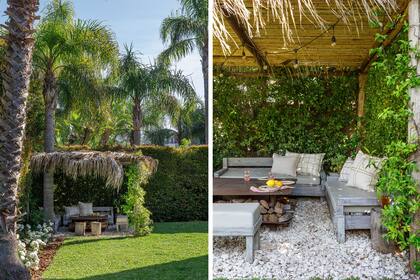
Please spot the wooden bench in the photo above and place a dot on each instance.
(261, 166)
(239, 219)
(350, 207)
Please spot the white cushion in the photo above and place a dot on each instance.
(85, 209)
(309, 164)
(345, 170)
(235, 217)
(364, 172)
(71, 210)
(285, 165)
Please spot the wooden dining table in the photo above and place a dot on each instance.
(238, 187)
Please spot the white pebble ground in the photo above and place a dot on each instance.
(307, 248)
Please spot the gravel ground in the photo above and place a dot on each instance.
(307, 248)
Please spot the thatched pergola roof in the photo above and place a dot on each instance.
(274, 33)
(106, 165)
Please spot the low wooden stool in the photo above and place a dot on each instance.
(96, 228)
(122, 223)
(80, 228)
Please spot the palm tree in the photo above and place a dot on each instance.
(151, 84)
(184, 32)
(69, 48)
(16, 78)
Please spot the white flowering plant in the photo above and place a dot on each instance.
(31, 240)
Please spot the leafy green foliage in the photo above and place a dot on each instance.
(256, 117)
(386, 134)
(396, 181)
(178, 191)
(133, 201)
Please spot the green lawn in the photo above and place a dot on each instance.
(173, 251)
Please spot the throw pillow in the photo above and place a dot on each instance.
(86, 209)
(71, 210)
(285, 165)
(345, 171)
(364, 172)
(309, 164)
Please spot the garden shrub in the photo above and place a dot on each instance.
(260, 116)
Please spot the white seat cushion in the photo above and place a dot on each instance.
(236, 218)
(308, 180)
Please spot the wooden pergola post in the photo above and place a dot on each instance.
(414, 122)
(361, 98)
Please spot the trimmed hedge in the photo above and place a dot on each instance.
(176, 192)
(179, 189)
(260, 116)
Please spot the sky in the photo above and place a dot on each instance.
(137, 22)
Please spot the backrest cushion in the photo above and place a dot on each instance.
(309, 164)
(364, 172)
(71, 210)
(345, 171)
(86, 209)
(285, 165)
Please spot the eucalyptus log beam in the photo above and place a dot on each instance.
(247, 41)
(414, 121)
(391, 34)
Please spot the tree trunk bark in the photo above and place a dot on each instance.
(105, 137)
(137, 121)
(205, 68)
(50, 100)
(414, 122)
(16, 77)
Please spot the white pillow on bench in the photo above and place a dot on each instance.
(364, 172)
(285, 165)
(309, 164)
(345, 170)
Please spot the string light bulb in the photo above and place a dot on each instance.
(296, 61)
(333, 39)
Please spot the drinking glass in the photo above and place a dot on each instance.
(247, 175)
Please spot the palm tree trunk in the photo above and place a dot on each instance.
(105, 137)
(205, 68)
(137, 121)
(16, 79)
(50, 100)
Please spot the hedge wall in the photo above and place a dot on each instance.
(176, 192)
(256, 117)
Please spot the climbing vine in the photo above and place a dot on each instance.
(395, 178)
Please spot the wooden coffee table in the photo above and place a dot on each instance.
(237, 187)
(103, 219)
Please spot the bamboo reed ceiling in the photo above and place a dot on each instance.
(354, 35)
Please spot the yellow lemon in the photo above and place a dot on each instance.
(270, 183)
(278, 183)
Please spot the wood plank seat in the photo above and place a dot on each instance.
(261, 166)
(349, 207)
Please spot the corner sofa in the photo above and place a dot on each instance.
(261, 166)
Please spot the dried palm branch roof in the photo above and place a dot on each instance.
(249, 33)
(106, 165)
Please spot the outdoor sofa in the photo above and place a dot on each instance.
(109, 211)
(261, 166)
